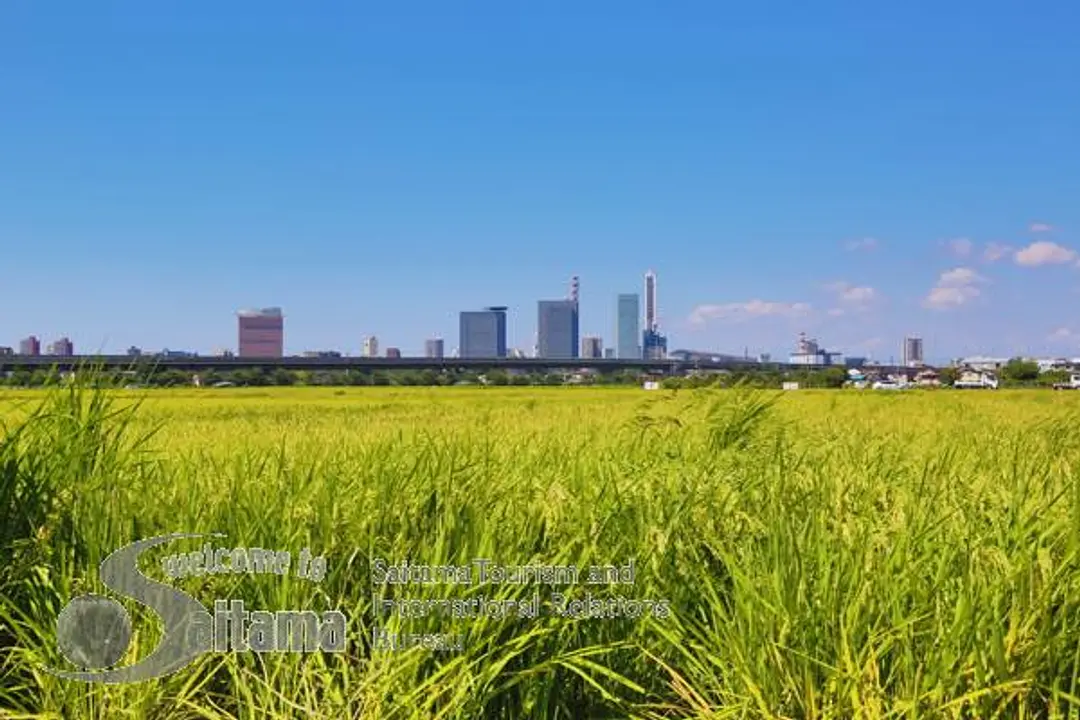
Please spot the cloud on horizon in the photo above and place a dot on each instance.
(954, 288)
(1044, 253)
(742, 311)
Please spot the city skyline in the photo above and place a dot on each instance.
(858, 176)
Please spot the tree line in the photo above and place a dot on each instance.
(1016, 373)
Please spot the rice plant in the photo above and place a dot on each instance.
(819, 554)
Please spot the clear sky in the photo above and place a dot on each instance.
(856, 170)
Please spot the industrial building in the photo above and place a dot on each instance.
(809, 352)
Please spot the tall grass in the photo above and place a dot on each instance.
(824, 555)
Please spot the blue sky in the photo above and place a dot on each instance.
(856, 172)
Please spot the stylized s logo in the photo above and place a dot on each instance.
(94, 631)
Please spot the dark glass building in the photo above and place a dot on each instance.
(483, 333)
(654, 345)
(557, 329)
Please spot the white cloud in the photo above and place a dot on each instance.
(1060, 334)
(837, 312)
(868, 243)
(954, 288)
(959, 277)
(1040, 227)
(995, 251)
(859, 295)
(1044, 253)
(747, 310)
(852, 295)
(960, 247)
(944, 297)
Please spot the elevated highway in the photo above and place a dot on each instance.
(201, 363)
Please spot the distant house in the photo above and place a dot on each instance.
(928, 378)
(971, 378)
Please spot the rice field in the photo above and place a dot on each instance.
(832, 554)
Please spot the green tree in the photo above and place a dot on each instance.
(20, 378)
(497, 377)
(1053, 377)
(833, 377)
(281, 376)
(949, 376)
(1020, 372)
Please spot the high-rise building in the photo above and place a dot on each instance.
(654, 345)
(433, 348)
(30, 346)
(61, 348)
(592, 347)
(557, 329)
(262, 333)
(650, 301)
(371, 346)
(913, 352)
(628, 327)
(483, 333)
(393, 353)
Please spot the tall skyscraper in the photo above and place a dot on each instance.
(592, 347)
(557, 326)
(30, 346)
(653, 344)
(913, 351)
(262, 333)
(628, 327)
(371, 346)
(650, 301)
(483, 333)
(433, 348)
